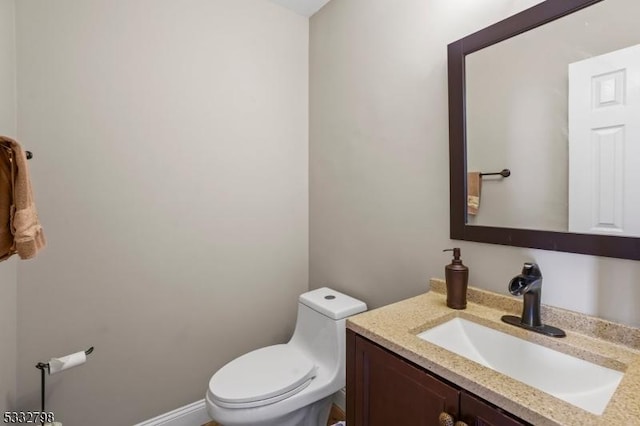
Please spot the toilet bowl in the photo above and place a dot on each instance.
(290, 384)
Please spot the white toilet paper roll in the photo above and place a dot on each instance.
(57, 365)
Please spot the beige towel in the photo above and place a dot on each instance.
(474, 187)
(20, 230)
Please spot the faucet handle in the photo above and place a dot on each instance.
(531, 269)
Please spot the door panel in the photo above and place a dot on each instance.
(475, 412)
(394, 392)
(604, 144)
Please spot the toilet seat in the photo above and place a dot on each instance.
(262, 377)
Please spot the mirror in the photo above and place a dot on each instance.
(522, 96)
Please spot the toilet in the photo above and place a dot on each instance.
(289, 384)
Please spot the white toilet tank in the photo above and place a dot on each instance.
(320, 327)
(332, 303)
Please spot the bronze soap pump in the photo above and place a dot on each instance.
(457, 277)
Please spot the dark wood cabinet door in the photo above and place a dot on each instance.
(475, 412)
(390, 391)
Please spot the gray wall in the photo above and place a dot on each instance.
(8, 278)
(379, 169)
(171, 146)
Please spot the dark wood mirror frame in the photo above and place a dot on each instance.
(598, 245)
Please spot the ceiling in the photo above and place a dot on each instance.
(302, 7)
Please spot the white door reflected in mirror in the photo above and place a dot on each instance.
(604, 144)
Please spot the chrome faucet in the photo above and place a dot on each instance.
(529, 285)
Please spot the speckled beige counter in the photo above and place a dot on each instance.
(602, 342)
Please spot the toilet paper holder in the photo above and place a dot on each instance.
(42, 366)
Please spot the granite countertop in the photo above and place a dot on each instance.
(602, 342)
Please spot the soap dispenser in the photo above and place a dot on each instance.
(457, 277)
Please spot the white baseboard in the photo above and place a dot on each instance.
(190, 415)
(195, 414)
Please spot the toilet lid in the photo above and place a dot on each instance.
(262, 375)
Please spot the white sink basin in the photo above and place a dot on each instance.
(578, 382)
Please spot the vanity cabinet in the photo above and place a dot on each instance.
(385, 389)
